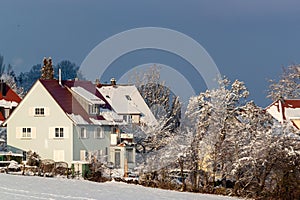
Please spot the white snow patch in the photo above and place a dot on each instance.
(32, 187)
(111, 115)
(126, 99)
(78, 119)
(91, 98)
(8, 104)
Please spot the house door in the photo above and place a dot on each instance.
(117, 159)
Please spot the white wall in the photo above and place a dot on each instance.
(42, 143)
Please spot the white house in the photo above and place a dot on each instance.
(60, 121)
(127, 102)
(78, 121)
(286, 109)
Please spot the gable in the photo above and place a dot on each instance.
(38, 96)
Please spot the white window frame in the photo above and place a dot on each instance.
(130, 155)
(83, 155)
(94, 109)
(59, 132)
(127, 118)
(6, 112)
(26, 132)
(58, 155)
(82, 132)
(99, 133)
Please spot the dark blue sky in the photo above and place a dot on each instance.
(248, 40)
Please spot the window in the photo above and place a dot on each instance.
(115, 130)
(83, 155)
(59, 132)
(39, 111)
(94, 109)
(117, 158)
(99, 133)
(58, 155)
(100, 155)
(129, 155)
(127, 118)
(26, 132)
(6, 112)
(82, 133)
(128, 97)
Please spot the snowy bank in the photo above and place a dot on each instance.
(32, 187)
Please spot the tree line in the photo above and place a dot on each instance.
(225, 144)
(22, 82)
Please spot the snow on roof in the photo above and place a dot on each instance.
(119, 97)
(91, 98)
(8, 104)
(10, 94)
(78, 119)
(4, 153)
(126, 99)
(106, 122)
(111, 115)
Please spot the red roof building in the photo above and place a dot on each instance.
(286, 109)
(9, 100)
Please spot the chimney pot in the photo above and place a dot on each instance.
(113, 81)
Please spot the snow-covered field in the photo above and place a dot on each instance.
(31, 187)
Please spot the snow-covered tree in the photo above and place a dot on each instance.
(8, 76)
(158, 97)
(288, 85)
(211, 117)
(165, 106)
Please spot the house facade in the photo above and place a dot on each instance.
(51, 122)
(129, 105)
(74, 121)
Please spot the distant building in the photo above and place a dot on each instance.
(9, 100)
(286, 109)
(129, 105)
(127, 102)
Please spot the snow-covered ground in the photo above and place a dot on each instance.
(32, 187)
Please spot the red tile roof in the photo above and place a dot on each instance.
(65, 99)
(285, 104)
(10, 94)
(2, 117)
(291, 103)
(89, 86)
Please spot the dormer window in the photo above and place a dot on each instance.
(94, 109)
(127, 118)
